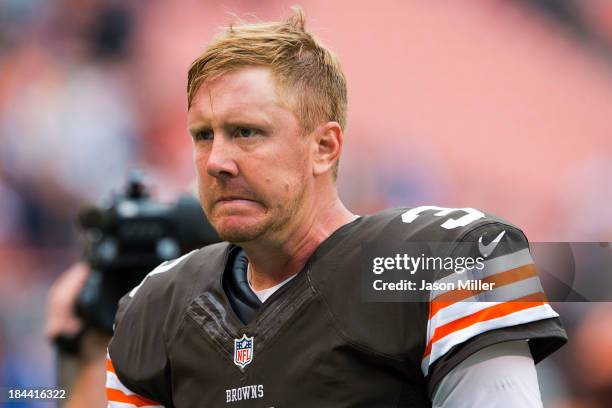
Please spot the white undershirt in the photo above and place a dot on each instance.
(264, 294)
(499, 376)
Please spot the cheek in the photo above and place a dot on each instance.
(199, 159)
(203, 178)
(290, 174)
(300, 165)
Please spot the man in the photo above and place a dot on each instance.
(275, 317)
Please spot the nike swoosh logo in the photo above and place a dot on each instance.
(488, 249)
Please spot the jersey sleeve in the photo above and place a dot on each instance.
(120, 396)
(464, 319)
(143, 326)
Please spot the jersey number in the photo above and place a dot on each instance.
(470, 216)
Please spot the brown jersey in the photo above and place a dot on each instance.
(322, 340)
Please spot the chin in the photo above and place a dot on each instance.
(237, 230)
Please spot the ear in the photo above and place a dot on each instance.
(328, 139)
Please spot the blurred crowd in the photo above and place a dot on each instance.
(503, 106)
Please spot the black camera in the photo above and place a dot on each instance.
(128, 238)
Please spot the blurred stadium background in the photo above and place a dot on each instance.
(500, 105)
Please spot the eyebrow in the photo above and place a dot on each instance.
(197, 128)
(232, 124)
(236, 119)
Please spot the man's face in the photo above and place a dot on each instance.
(253, 163)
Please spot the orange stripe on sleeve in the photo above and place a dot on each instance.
(114, 395)
(109, 366)
(493, 312)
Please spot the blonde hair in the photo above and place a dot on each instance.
(308, 74)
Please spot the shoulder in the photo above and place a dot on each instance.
(164, 292)
(150, 315)
(182, 273)
(433, 223)
(352, 252)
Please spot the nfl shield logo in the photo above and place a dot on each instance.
(243, 351)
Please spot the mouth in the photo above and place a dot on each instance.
(232, 198)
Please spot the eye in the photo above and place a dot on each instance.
(245, 132)
(203, 135)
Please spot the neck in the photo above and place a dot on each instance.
(272, 262)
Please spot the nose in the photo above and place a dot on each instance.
(221, 159)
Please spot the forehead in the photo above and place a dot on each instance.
(237, 93)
